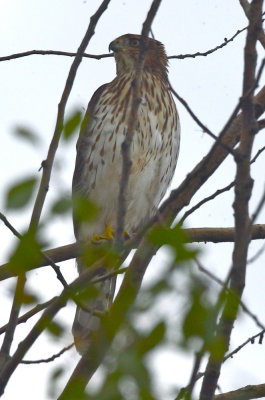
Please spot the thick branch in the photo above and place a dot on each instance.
(214, 235)
(243, 189)
(246, 393)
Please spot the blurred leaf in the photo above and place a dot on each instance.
(86, 294)
(54, 328)
(56, 374)
(103, 251)
(84, 210)
(131, 364)
(150, 341)
(71, 124)
(201, 317)
(62, 205)
(175, 238)
(20, 194)
(28, 298)
(27, 135)
(26, 255)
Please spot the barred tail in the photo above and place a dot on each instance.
(86, 322)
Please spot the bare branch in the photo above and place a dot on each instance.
(53, 53)
(246, 7)
(206, 200)
(100, 56)
(217, 193)
(50, 359)
(59, 302)
(198, 121)
(132, 122)
(224, 286)
(12, 323)
(29, 314)
(47, 165)
(250, 340)
(243, 189)
(257, 255)
(214, 235)
(206, 53)
(246, 393)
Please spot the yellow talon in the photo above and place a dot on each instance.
(126, 235)
(108, 234)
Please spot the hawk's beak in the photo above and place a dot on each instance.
(114, 46)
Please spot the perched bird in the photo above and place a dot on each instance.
(154, 153)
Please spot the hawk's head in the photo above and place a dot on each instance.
(126, 52)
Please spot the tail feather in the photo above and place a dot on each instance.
(86, 322)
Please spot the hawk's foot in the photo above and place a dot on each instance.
(108, 234)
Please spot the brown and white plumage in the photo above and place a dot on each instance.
(154, 149)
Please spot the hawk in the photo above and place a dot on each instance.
(154, 153)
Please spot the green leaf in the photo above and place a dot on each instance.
(55, 328)
(26, 255)
(71, 124)
(201, 317)
(86, 294)
(20, 194)
(55, 376)
(175, 238)
(27, 134)
(150, 341)
(62, 205)
(84, 210)
(52, 327)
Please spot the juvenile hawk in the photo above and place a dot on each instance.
(154, 153)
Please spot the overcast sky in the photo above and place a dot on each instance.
(31, 88)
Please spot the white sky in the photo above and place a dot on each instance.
(31, 88)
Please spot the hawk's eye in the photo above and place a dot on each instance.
(134, 42)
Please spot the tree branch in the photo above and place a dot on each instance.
(132, 123)
(214, 235)
(50, 359)
(246, 393)
(243, 189)
(48, 163)
(29, 314)
(59, 302)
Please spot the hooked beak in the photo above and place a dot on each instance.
(115, 47)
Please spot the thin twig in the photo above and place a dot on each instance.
(59, 302)
(224, 286)
(217, 193)
(47, 165)
(258, 208)
(53, 53)
(249, 340)
(206, 53)
(257, 255)
(50, 359)
(29, 314)
(199, 122)
(100, 56)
